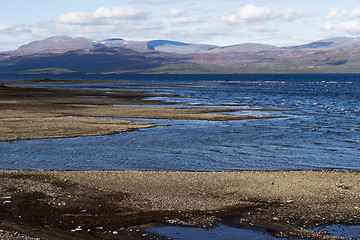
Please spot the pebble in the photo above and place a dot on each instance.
(78, 229)
(115, 232)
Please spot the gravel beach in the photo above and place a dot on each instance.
(85, 204)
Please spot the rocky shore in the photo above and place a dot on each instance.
(110, 204)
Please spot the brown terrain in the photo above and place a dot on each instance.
(118, 204)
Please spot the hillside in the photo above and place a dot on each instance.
(66, 54)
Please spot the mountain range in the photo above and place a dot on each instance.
(116, 55)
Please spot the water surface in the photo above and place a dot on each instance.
(321, 131)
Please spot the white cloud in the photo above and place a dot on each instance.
(184, 20)
(75, 18)
(102, 16)
(153, 1)
(4, 27)
(15, 29)
(45, 30)
(336, 13)
(255, 14)
(175, 12)
(179, 17)
(344, 28)
(118, 12)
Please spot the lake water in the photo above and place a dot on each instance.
(321, 131)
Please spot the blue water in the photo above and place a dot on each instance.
(221, 232)
(321, 131)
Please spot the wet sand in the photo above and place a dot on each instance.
(107, 204)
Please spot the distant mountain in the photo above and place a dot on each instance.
(56, 44)
(245, 47)
(178, 47)
(116, 55)
(329, 43)
(159, 45)
(87, 60)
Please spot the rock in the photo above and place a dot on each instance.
(78, 229)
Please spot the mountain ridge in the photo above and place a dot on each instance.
(116, 55)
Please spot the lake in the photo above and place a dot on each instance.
(318, 126)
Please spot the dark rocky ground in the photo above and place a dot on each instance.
(114, 204)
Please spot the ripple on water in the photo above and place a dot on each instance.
(344, 231)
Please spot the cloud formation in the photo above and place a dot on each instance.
(255, 14)
(344, 28)
(336, 13)
(103, 16)
(179, 17)
(16, 29)
(337, 26)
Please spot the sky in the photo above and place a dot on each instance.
(217, 22)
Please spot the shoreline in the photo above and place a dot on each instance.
(34, 113)
(89, 203)
(86, 204)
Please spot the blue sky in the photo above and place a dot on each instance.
(219, 22)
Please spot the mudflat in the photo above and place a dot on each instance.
(109, 204)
